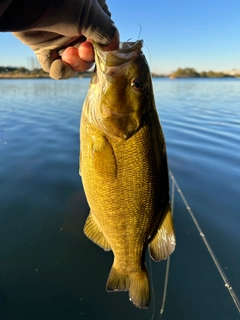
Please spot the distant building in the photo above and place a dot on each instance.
(233, 72)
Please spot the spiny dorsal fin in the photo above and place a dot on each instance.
(164, 242)
(93, 232)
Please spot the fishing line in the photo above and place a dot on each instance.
(166, 273)
(140, 31)
(152, 286)
(150, 59)
(168, 263)
(213, 256)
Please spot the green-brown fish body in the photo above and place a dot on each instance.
(124, 170)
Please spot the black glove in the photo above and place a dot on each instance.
(68, 23)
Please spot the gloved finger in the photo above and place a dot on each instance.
(51, 62)
(61, 70)
(46, 58)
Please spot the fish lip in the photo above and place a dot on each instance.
(124, 47)
(127, 52)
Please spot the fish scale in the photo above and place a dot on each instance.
(123, 165)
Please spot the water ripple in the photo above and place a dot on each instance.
(43, 207)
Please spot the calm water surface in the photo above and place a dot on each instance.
(49, 269)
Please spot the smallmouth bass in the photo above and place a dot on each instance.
(123, 164)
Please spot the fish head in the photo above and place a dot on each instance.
(124, 89)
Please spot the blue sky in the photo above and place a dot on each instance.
(202, 34)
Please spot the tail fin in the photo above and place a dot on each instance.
(136, 283)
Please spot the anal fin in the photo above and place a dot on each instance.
(93, 232)
(164, 241)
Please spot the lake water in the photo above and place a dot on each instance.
(50, 270)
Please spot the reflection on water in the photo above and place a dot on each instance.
(49, 269)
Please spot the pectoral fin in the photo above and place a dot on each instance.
(93, 232)
(164, 242)
(103, 158)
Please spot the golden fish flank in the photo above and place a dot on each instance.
(124, 170)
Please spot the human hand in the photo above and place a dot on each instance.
(82, 58)
(59, 39)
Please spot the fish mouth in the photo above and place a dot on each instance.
(127, 52)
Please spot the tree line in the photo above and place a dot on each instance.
(21, 72)
(192, 73)
(15, 72)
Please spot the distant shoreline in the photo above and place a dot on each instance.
(23, 73)
(34, 76)
(192, 73)
(22, 77)
(187, 73)
(25, 77)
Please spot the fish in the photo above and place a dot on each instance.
(124, 170)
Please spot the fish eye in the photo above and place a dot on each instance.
(137, 84)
